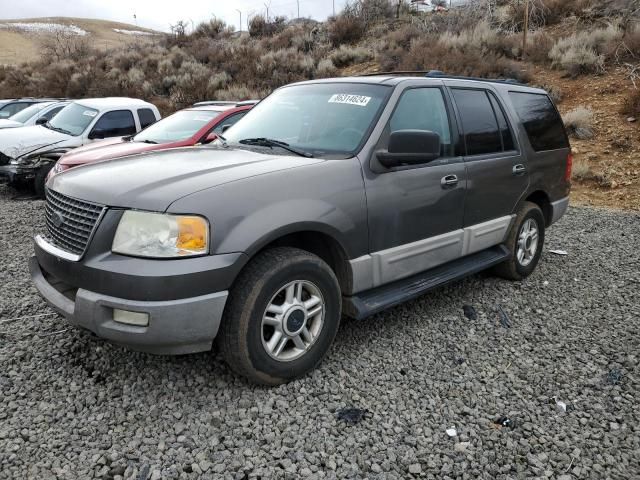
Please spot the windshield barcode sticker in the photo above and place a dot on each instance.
(359, 100)
(90, 113)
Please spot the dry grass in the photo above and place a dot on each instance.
(17, 47)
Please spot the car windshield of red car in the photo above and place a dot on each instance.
(179, 126)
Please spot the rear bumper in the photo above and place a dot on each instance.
(558, 209)
(175, 327)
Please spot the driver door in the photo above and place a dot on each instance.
(416, 212)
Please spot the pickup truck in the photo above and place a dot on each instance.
(330, 197)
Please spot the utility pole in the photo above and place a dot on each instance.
(334, 8)
(526, 28)
(267, 7)
(298, 8)
(240, 12)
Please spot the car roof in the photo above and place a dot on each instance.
(112, 103)
(211, 108)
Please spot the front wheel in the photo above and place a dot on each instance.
(41, 179)
(525, 242)
(281, 317)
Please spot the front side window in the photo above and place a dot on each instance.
(53, 112)
(13, 108)
(230, 120)
(479, 124)
(423, 109)
(147, 117)
(179, 126)
(115, 124)
(541, 121)
(320, 119)
(73, 119)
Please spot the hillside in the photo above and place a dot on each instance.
(20, 40)
(585, 52)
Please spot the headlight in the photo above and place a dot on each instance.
(159, 235)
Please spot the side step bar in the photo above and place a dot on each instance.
(368, 303)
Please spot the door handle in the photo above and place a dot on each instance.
(519, 169)
(449, 181)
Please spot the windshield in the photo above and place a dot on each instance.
(29, 112)
(73, 119)
(318, 119)
(179, 126)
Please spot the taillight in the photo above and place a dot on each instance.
(567, 172)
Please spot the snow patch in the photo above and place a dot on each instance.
(41, 27)
(131, 32)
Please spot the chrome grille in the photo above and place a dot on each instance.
(70, 222)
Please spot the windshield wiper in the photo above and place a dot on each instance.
(57, 129)
(268, 142)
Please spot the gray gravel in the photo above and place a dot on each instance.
(73, 407)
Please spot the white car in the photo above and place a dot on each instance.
(27, 154)
(36, 114)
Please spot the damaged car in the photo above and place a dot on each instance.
(36, 114)
(28, 154)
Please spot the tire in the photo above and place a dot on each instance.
(518, 268)
(248, 337)
(41, 179)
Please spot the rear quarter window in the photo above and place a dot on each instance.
(541, 121)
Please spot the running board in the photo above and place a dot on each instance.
(372, 301)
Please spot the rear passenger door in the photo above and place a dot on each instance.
(496, 170)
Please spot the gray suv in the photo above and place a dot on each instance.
(330, 197)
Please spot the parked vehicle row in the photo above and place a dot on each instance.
(36, 114)
(330, 197)
(28, 154)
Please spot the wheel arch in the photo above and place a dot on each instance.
(314, 239)
(541, 198)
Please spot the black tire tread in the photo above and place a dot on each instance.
(242, 298)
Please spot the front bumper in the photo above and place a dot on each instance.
(175, 327)
(17, 172)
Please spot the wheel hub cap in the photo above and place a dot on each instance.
(293, 320)
(527, 242)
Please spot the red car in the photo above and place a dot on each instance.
(196, 125)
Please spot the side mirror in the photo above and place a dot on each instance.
(226, 127)
(210, 138)
(96, 135)
(41, 121)
(410, 147)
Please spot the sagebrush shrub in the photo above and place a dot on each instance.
(345, 56)
(579, 123)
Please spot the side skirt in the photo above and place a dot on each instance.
(372, 301)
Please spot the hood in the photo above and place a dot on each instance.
(15, 143)
(154, 181)
(10, 124)
(105, 151)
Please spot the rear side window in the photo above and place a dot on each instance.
(541, 121)
(116, 124)
(479, 123)
(505, 131)
(146, 117)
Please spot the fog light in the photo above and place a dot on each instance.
(131, 318)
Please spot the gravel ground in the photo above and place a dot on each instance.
(73, 407)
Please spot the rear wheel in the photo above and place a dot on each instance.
(525, 242)
(281, 317)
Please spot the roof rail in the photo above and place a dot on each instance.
(440, 74)
(244, 103)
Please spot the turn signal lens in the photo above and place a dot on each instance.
(192, 234)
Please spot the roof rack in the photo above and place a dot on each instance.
(244, 103)
(440, 74)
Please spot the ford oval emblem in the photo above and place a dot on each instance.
(57, 219)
